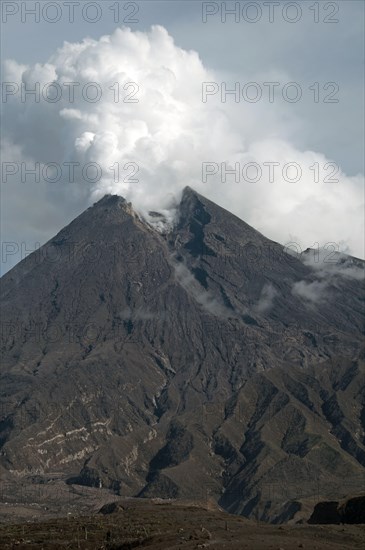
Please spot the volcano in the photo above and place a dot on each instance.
(201, 359)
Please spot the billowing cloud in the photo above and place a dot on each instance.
(204, 297)
(329, 262)
(266, 299)
(311, 291)
(150, 134)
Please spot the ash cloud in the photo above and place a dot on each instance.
(204, 297)
(167, 135)
(328, 262)
(266, 300)
(312, 292)
(140, 314)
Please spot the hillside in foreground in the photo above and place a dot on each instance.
(158, 525)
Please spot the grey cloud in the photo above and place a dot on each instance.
(311, 291)
(266, 300)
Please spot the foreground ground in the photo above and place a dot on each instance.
(158, 525)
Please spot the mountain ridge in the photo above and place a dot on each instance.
(182, 363)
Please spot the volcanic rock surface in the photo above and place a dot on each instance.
(200, 361)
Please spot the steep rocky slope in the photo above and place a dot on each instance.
(200, 360)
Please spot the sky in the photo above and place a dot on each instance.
(260, 110)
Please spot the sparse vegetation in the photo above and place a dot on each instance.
(173, 526)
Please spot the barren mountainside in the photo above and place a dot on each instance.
(200, 360)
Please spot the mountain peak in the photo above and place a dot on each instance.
(110, 200)
(114, 202)
(189, 191)
(209, 342)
